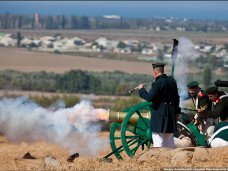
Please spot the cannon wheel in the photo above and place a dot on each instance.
(114, 139)
(134, 135)
(139, 133)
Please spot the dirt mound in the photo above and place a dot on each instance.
(35, 156)
(187, 157)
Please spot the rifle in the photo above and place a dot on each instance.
(193, 110)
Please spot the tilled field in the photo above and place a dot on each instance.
(29, 61)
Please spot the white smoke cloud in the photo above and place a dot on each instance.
(186, 53)
(186, 49)
(24, 121)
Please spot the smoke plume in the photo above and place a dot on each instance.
(186, 53)
(72, 128)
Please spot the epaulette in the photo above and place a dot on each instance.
(201, 94)
(221, 97)
(217, 100)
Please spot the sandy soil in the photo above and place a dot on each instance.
(26, 61)
(154, 159)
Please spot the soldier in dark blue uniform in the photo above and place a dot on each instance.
(165, 106)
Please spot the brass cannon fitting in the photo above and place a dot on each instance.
(119, 116)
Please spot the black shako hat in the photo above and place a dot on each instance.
(158, 65)
(212, 90)
(193, 84)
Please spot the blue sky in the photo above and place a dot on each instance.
(139, 9)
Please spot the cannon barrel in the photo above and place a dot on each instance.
(220, 83)
(119, 116)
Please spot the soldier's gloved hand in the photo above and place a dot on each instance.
(140, 86)
(200, 110)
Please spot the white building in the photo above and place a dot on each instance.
(7, 40)
(146, 51)
(106, 43)
(47, 41)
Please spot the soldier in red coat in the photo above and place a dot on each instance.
(201, 102)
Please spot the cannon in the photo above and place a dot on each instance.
(130, 131)
(220, 83)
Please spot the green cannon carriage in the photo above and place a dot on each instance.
(130, 131)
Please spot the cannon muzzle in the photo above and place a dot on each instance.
(119, 116)
(220, 83)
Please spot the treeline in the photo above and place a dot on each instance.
(59, 101)
(56, 101)
(13, 21)
(74, 81)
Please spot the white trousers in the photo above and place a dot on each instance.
(163, 140)
(218, 142)
(183, 142)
